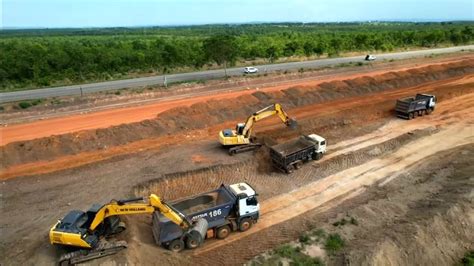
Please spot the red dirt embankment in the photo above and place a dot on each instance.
(204, 114)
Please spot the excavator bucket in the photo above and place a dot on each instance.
(292, 123)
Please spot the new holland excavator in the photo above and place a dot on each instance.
(240, 139)
(87, 231)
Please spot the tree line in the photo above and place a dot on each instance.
(38, 58)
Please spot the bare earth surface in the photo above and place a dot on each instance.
(409, 183)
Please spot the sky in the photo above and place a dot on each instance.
(129, 13)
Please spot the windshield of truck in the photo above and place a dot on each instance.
(252, 201)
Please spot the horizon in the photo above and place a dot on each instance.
(57, 14)
(241, 24)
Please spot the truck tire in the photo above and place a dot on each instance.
(298, 165)
(317, 156)
(223, 232)
(176, 245)
(421, 112)
(415, 114)
(429, 110)
(245, 224)
(410, 116)
(289, 169)
(192, 242)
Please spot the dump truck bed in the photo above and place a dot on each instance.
(292, 146)
(285, 154)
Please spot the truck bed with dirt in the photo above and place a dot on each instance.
(292, 154)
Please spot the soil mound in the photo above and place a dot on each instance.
(205, 114)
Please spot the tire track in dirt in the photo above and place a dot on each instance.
(322, 191)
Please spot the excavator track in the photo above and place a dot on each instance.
(244, 148)
(103, 249)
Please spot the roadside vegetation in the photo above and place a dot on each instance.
(49, 57)
(468, 259)
(299, 252)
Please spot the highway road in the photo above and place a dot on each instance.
(210, 74)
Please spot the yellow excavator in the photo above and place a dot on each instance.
(87, 231)
(240, 139)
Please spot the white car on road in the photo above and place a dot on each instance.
(250, 70)
(370, 57)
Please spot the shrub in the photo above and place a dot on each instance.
(468, 259)
(334, 242)
(354, 221)
(304, 238)
(24, 105)
(285, 251)
(340, 223)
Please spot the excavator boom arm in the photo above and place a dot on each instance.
(154, 204)
(264, 113)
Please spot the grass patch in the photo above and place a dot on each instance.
(296, 256)
(468, 259)
(320, 233)
(334, 242)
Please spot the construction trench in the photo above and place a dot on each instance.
(373, 159)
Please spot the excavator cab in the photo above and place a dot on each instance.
(239, 128)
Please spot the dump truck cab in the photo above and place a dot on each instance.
(319, 143)
(248, 203)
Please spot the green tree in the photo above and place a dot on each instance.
(221, 49)
(308, 48)
(272, 53)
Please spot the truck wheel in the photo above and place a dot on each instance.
(298, 165)
(245, 225)
(191, 242)
(421, 112)
(317, 156)
(410, 116)
(176, 245)
(415, 114)
(223, 232)
(289, 169)
(429, 110)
